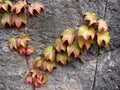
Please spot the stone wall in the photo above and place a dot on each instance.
(100, 68)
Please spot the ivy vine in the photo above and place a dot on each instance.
(67, 45)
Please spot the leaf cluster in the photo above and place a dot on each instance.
(15, 14)
(20, 45)
(67, 45)
(70, 44)
(36, 78)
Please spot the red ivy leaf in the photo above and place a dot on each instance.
(36, 78)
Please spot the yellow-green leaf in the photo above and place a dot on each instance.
(38, 62)
(49, 53)
(59, 46)
(86, 32)
(12, 44)
(68, 36)
(103, 36)
(73, 49)
(6, 19)
(91, 17)
(63, 58)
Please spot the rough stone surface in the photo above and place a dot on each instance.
(99, 71)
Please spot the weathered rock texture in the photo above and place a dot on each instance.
(100, 69)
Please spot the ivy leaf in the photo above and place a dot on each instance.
(103, 36)
(19, 19)
(22, 40)
(48, 66)
(73, 49)
(29, 50)
(49, 53)
(6, 19)
(26, 50)
(44, 65)
(91, 17)
(38, 63)
(68, 36)
(102, 25)
(36, 78)
(62, 58)
(86, 32)
(82, 42)
(59, 46)
(36, 7)
(17, 7)
(5, 4)
(12, 44)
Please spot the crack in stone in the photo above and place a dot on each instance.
(94, 81)
(105, 9)
(93, 87)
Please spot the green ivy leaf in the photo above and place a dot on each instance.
(86, 32)
(62, 58)
(59, 46)
(103, 36)
(49, 53)
(68, 36)
(91, 17)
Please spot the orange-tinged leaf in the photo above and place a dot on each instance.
(6, 19)
(44, 65)
(38, 62)
(23, 39)
(19, 19)
(36, 78)
(103, 36)
(12, 44)
(102, 25)
(36, 7)
(49, 53)
(48, 66)
(59, 46)
(17, 7)
(68, 36)
(5, 4)
(73, 49)
(82, 42)
(91, 17)
(86, 32)
(63, 58)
